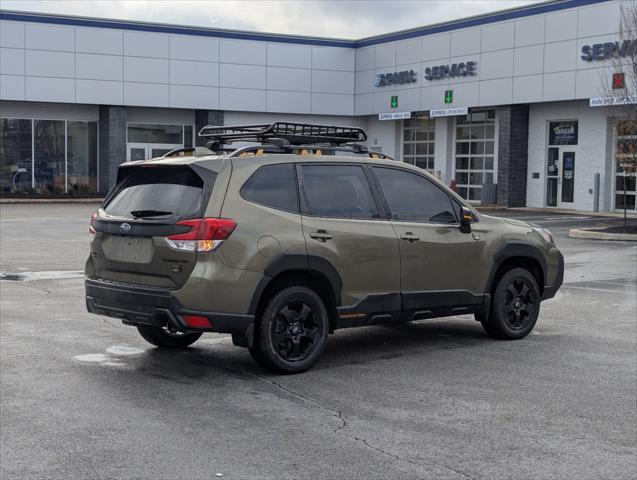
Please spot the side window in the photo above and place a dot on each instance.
(411, 197)
(338, 191)
(273, 186)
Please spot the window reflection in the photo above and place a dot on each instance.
(49, 156)
(82, 157)
(63, 161)
(15, 155)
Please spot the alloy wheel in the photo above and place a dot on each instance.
(295, 331)
(519, 304)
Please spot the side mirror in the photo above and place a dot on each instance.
(466, 219)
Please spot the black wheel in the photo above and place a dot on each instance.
(515, 306)
(292, 332)
(167, 336)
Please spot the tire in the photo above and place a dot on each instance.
(515, 306)
(292, 331)
(164, 338)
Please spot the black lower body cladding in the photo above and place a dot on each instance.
(145, 305)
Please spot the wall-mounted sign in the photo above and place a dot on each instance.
(393, 103)
(604, 51)
(448, 96)
(394, 116)
(619, 81)
(448, 112)
(563, 133)
(395, 78)
(612, 101)
(462, 69)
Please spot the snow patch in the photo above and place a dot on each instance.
(93, 357)
(124, 350)
(43, 275)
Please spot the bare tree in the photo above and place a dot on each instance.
(622, 87)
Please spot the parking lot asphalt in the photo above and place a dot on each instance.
(83, 396)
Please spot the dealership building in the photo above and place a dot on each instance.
(516, 107)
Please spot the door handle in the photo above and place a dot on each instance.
(321, 235)
(410, 237)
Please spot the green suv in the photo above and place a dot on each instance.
(298, 234)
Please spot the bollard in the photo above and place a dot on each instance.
(596, 192)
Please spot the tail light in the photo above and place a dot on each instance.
(91, 228)
(205, 234)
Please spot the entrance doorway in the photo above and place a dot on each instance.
(144, 151)
(560, 178)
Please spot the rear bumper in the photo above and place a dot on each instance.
(551, 290)
(136, 305)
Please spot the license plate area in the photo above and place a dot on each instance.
(128, 249)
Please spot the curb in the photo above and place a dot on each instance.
(595, 234)
(26, 201)
(570, 212)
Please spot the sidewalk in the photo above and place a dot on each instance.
(4, 201)
(561, 211)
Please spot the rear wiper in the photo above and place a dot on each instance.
(149, 213)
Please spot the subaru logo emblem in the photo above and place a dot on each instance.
(124, 227)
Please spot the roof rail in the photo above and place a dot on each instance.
(257, 150)
(288, 133)
(188, 152)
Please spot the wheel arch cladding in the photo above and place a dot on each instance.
(312, 271)
(519, 254)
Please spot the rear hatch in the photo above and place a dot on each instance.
(150, 205)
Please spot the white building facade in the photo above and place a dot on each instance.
(499, 104)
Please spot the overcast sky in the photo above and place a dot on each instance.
(324, 18)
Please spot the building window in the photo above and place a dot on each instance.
(419, 136)
(150, 140)
(155, 133)
(81, 175)
(16, 152)
(47, 156)
(625, 159)
(474, 153)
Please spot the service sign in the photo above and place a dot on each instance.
(394, 116)
(448, 112)
(604, 51)
(454, 70)
(612, 101)
(396, 78)
(563, 133)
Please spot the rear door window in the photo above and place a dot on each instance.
(413, 198)
(157, 192)
(273, 186)
(337, 191)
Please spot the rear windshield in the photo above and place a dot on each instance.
(157, 192)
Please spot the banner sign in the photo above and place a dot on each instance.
(449, 112)
(394, 116)
(611, 101)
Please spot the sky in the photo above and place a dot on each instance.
(345, 19)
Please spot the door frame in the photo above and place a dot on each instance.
(148, 148)
(561, 150)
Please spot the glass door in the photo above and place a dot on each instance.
(560, 178)
(160, 149)
(567, 183)
(137, 151)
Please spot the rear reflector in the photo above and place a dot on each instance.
(205, 234)
(197, 321)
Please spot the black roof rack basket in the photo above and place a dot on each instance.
(287, 133)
